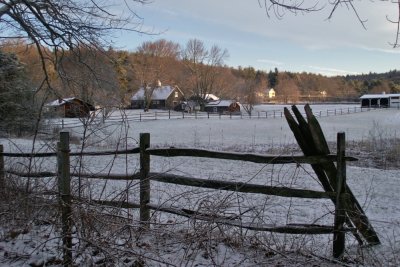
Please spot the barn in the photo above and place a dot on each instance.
(380, 100)
(69, 108)
(222, 106)
(162, 97)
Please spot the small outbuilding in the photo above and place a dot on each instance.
(222, 106)
(71, 107)
(380, 100)
(162, 97)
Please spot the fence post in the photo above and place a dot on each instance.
(169, 114)
(64, 187)
(2, 176)
(144, 180)
(340, 214)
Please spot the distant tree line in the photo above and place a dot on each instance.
(110, 77)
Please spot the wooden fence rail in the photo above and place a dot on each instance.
(145, 176)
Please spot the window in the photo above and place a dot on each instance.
(176, 94)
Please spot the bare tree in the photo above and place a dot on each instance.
(252, 84)
(287, 90)
(65, 25)
(280, 7)
(160, 48)
(151, 65)
(202, 65)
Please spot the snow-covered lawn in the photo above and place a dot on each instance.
(183, 242)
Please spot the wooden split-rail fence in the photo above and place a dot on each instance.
(348, 214)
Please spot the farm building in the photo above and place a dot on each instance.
(271, 93)
(222, 106)
(69, 108)
(162, 97)
(380, 100)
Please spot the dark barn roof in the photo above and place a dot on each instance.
(71, 107)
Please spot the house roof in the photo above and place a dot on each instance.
(220, 103)
(370, 96)
(159, 93)
(60, 102)
(63, 101)
(211, 97)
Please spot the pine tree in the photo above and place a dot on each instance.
(16, 109)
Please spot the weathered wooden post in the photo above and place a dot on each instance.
(64, 189)
(169, 114)
(2, 175)
(340, 213)
(144, 180)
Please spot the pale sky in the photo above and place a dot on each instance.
(294, 43)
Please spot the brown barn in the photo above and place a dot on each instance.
(222, 106)
(69, 108)
(162, 97)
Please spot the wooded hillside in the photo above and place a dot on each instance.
(109, 78)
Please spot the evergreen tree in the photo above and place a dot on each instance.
(273, 78)
(16, 108)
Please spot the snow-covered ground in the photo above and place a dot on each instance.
(376, 189)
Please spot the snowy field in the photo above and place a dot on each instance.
(245, 133)
(376, 189)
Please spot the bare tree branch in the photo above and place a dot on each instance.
(280, 7)
(397, 22)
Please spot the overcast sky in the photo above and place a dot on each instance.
(295, 43)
